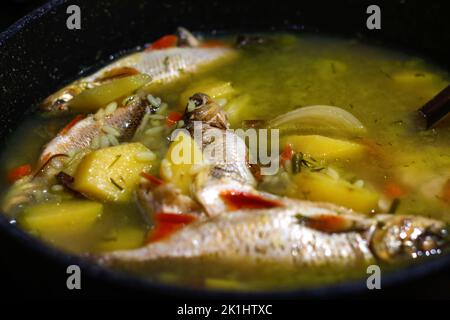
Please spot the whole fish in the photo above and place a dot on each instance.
(301, 234)
(162, 65)
(221, 171)
(125, 120)
(61, 149)
(224, 169)
(228, 160)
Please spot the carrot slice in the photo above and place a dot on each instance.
(152, 178)
(393, 190)
(236, 200)
(176, 218)
(173, 118)
(71, 124)
(19, 172)
(162, 231)
(287, 154)
(167, 224)
(164, 42)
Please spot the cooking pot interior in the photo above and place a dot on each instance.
(39, 54)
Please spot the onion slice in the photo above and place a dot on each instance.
(320, 118)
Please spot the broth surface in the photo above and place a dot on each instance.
(380, 87)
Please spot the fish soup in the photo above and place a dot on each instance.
(359, 179)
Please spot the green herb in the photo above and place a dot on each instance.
(394, 205)
(296, 163)
(299, 161)
(333, 68)
(116, 184)
(115, 160)
(386, 74)
(301, 219)
(398, 122)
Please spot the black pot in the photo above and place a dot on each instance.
(38, 54)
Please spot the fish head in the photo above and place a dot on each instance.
(397, 238)
(59, 100)
(203, 109)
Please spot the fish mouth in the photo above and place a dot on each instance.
(405, 239)
(434, 240)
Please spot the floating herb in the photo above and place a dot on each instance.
(296, 163)
(387, 75)
(299, 160)
(116, 184)
(115, 161)
(333, 68)
(394, 206)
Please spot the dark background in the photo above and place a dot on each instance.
(434, 286)
(12, 10)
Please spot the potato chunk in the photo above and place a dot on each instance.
(214, 88)
(95, 98)
(112, 174)
(180, 161)
(316, 186)
(64, 218)
(325, 148)
(239, 108)
(415, 78)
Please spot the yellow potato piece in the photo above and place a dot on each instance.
(320, 147)
(414, 77)
(123, 239)
(237, 109)
(216, 89)
(316, 186)
(95, 98)
(112, 174)
(425, 84)
(182, 156)
(60, 218)
(330, 69)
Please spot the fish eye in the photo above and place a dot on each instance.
(199, 99)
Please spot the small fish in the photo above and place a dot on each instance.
(78, 138)
(227, 163)
(302, 234)
(125, 120)
(163, 66)
(217, 174)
